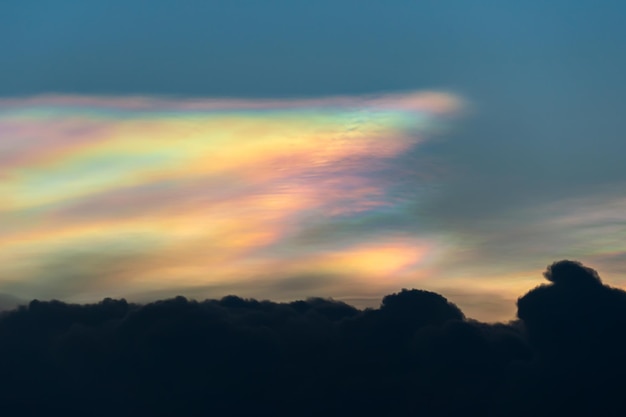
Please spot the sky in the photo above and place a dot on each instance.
(285, 149)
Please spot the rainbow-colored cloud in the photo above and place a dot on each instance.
(129, 196)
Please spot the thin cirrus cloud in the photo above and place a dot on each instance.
(130, 196)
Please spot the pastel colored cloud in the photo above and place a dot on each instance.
(281, 199)
(119, 196)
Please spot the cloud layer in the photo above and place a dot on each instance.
(350, 197)
(132, 196)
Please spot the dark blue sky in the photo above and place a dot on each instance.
(527, 50)
(545, 83)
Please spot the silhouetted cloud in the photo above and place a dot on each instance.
(577, 328)
(416, 354)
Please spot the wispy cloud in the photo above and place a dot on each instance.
(122, 196)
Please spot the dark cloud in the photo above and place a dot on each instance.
(576, 326)
(415, 355)
(572, 273)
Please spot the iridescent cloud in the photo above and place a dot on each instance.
(281, 199)
(122, 196)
